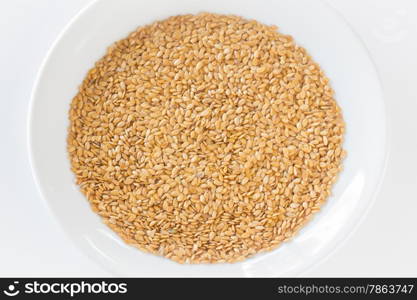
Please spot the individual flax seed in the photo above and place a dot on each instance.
(205, 138)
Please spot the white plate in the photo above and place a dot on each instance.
(315, 26)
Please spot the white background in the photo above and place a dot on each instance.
(385, 243)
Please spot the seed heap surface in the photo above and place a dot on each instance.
(205, 138)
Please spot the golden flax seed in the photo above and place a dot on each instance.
(205, 138)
